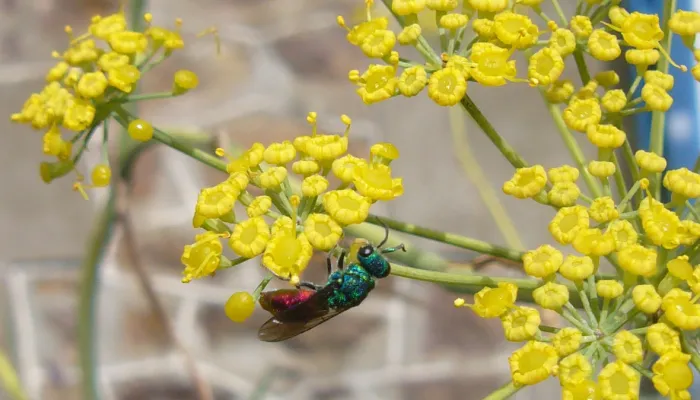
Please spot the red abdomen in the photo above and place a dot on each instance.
(280, 300)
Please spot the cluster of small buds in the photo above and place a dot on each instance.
(90, 84)
(310, 216)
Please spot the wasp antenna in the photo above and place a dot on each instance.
(386, 232)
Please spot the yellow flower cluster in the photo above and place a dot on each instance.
(305, 216)
(90, 83)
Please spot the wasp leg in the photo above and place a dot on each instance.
(393, 249)
(306, 284)
(341, 259)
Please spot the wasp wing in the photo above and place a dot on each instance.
(276, 330)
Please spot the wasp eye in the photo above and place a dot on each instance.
(366, 251)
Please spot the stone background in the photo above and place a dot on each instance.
(281, 59)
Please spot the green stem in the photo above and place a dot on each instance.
(504, 392)
(582, 67)
(560, 12)
(10, 380)
(587, 305)
(658, 118)
(448, 238)
(146, 96)
(422, 44)
(688, 349)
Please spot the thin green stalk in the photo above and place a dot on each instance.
(560, 12)
(146, 96)
(448, 238)
(688, 349)
(422, 46)
(633, 88)
(582, 67)
(473, 170)
(10, 380)
(504, 392)
(619, 180)
(587, 305)
(658, 118)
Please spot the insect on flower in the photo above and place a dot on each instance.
(295, 311)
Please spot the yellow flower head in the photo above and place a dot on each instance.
(515, 30)
(603, 45)
(272, 178)
(104, 27)
(488, 6)
(642, 58)
(383, 153)
(661, 226)
(568, 222)
(607, 79)
(79, 115)
(656, 97)
(287, 253)
(492, 64)
(279, 153)
(581, 26)
(520, 323)
(614, 100)
(618, 380)
(379, 43)
(642, 30)
(447, 86)
(526, 182)
(617, 15)
(378, 83)
(689, 232)
(361, 31)
(375, 182)
(593, 242)
(92, 85)
(646, 298)
(123, 77)
(250, 237)
(551, 296)
(560, 91)
(483, 27)
(453, 21)
(48, 171)
(461, 64)
(307, 167)
(601, 169)
(685, 23)
(201, 258)
(576, 269)
(672, 375)
(314, 185)
(603, 209)
(606, 136)
(216, 201)
(564, 194)
(680, 310)
(128, 42)
(609, 289)
(409, 34)
(412, 81)
(663, 80)
(662, 339)
(543, 261)
(346, 206)
(683, 182)
(343, 168)
(441, 5)
(563, 41)
(649, 161)
(624, 233)
(494, 302)
(680, 268)
(323, 233)
(574, 369)
(236, 182)
(582, 113)
(567, 341)
(545, 66)
(259, 206)
(533, 363)
(628, 348)
(407, 7)
(638, 260)
(565, 173)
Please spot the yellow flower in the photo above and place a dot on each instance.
(128, 42)
(533, 363)
(494, 302)
(112, 60)
(272, 178)
(520, 323)
(236, 182)
(642, 58)
(483, 27)
(383, 153)
(646, 298)
(81, 53)
(662, 339)
(603, 209)
(624, 233)
(215, 202)
(609, 289)
(607, 79)
(287, 254)
(683, 182)
(656, 97)
(346, 206)
(614, 100)
(183, 81)
(680, 311)
(279, 153)
(649, 161)
(526, 182)
(48, 171)
(79, 115)
(378, 43)
(565, 173)
(567, 341)
(324, 148)
(92, 84)
(54, 145)
(618, 15)
(123, 77)
(551, 295)
(250, 237)
(685, 23)
(57, 72)
(259, 206)
(412, 81)
(488, 6)
(627, 347)
(378, 83)
(407, 7)
(638, 260)
(660, 79)
(375, 182)
(343, 168)
(689, 232)
(515, 30)
(606, 136)
(593, 242)
(323, 233)
(618, 380)
(441, 5)
(582, 113)
(409, 34)
(461, 64)
(576, 269)
(568, 222)
(559, 91)
(453, 21)
(563, 41)
(361, 31)
(103, 28)
(491, 64)
(581, 26)
(253, 156)
(201, 258)
(574, 369)
(447, 86)
(543, 261)
(661, 226)
(601, 169)
(546, 66)
(307, 167)
(642, 30)
(564, 194)
(672, 375)
(603, 45)
(680, 268)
